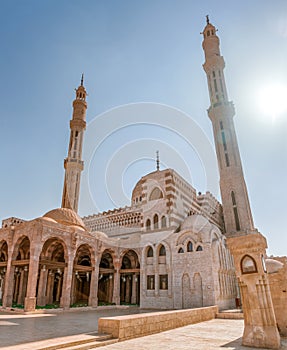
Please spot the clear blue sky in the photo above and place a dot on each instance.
(137, 51)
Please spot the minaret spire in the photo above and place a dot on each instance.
(207, 19)
(157, 160)
(236, 207)
(73, 164)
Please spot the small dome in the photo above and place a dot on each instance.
(195, 222)
(273, 265)
(100, 235)
(65, 216)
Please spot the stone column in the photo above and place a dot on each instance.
(7, 299)
(117, 282)
(65, 300)
(22, 287)
(260, 328)
(93, 297)
(41, 297)
(128, 289)
(30, 300)
(59, 287)
(50, 287)
(156, 282)
(17, 282)
(110, 289)
(134, 289)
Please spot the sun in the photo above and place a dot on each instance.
(272, 100)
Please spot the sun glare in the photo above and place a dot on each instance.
(272, 100)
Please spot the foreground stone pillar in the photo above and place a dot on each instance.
(65, 299)
(260, 329)
(23, 285)
(117, 283)
(93, 297)
(30, 300)
(7, 299)
(41, 298)
(134, 289)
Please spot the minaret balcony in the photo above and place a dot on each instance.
(73, 161)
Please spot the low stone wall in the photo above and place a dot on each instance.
(133, 326)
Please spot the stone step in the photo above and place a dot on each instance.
(81, 341)
(231, 315)
(93, 345)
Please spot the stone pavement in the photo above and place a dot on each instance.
(29, 330)
(16, 329)
(217, 334)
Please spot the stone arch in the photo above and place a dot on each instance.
(161, 250)
(148, 224)
(21, 249)
(184, 238)
(186, 292)
(163, 222)
(83, 265)
(149, 252)
(155, 221)
(198, 292)
(162, 253)
(130, 278)
(53, 260)
(3, 266)
(189, 246)
(3, 251)
(106, 277)
(248, 264)
(155, 194)
(21, 261)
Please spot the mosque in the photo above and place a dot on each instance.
(168, 250)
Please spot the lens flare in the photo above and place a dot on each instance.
(272, 100)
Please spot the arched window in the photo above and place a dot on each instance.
(199, 248)
(149, 253)
(155, 221)
(235, 211)
(163, 222)
(189, 247)
(156, 193)
(147, 225)
(162, 251)
(180, 250)
(248, 265)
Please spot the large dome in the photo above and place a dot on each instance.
(65, 216)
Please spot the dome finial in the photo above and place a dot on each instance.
(207, 19)
(82, 80)
(157, 160)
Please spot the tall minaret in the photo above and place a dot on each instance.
(236, 207)
(73, 164)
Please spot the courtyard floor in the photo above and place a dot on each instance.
(35, 331)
